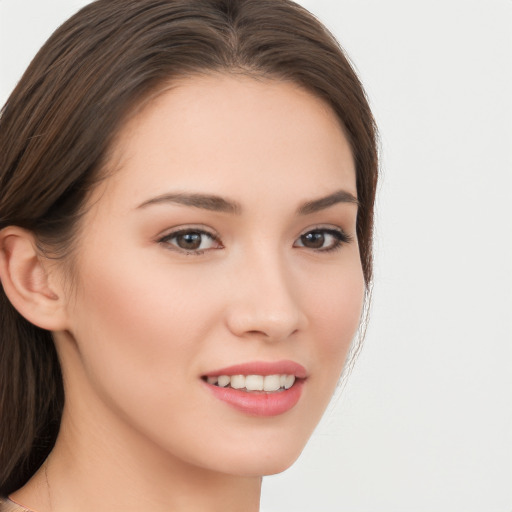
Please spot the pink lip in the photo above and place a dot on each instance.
(262, 368)
(260, 403)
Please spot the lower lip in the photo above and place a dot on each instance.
(259, 403)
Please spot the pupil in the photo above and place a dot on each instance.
(189, 241)
(315, 240)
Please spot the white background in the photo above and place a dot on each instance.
(424, 424)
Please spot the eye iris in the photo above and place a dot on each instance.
(314, 240)
(189, 241)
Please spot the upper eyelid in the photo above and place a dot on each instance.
(169, 233)
(324, 227)
(331, 231)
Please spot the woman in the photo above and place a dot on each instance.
(186, 216)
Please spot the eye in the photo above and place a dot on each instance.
(191, 241)
(323, 239)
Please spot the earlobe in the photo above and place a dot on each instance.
(24, 274)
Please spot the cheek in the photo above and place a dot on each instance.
(335, 315)
(132, 322)
(335, 307)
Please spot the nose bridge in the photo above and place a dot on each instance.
(266, 302)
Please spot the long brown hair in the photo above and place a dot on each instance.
(58, 125)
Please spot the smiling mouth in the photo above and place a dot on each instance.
(258, 388)
(253, 383)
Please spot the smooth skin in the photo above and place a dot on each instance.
(165, 292)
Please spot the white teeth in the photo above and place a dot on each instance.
(253, 382)
(224, 381)
(237, 381)
(272, 383)
(288, 383)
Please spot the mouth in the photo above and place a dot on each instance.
(258, 388)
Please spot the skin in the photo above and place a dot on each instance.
(146, 319)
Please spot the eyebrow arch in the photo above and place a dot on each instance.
(203, 201)
(220, 204)
(316, 205)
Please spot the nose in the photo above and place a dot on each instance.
(265, 301)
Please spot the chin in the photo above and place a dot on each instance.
(262, 459)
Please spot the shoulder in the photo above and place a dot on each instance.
(6, 505)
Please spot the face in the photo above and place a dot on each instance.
(223, 246)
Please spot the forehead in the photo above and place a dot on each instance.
(225, 134)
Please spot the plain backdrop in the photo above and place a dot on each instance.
(425, 421)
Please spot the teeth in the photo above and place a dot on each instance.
(288, 383)
(224, 381)
(272, 382)
(253, 382)
(237, 381)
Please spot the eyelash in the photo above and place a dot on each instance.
(189, 231)
(340, 238)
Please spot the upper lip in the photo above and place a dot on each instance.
(262, 368)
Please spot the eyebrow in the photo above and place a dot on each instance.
(203, 201)
(316, 205)
(221, 204)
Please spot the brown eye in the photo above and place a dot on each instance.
(323, 240)
(313, 240)
(191, 241)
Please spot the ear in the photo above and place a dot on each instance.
(26, 280)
